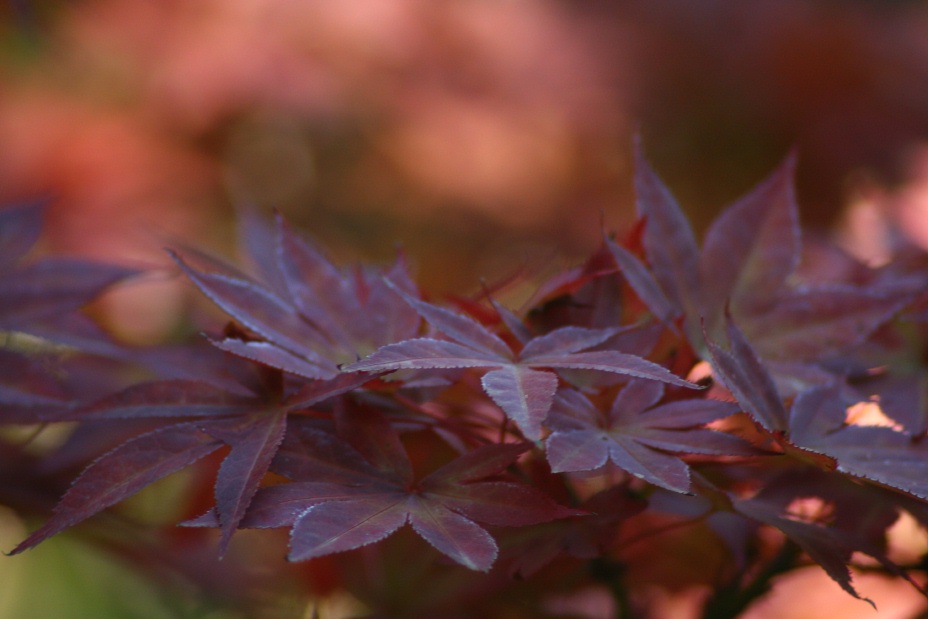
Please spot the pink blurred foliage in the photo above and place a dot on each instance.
(478, 135)
(448, 89)
(460, 118)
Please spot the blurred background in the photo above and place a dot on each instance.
(485, 138)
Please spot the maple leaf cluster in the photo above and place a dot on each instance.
(658, 380)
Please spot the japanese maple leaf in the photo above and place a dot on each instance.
(36, 292)
(522, 384)
(830, 548)
(309, 315)
(828, 516)
(878, 454)
(41, 297)
(903, 395)
(358, 487)
(748, 263)
(816, 423)
(636, 434)
(196, 418)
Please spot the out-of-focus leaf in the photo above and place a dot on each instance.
(321, 293)
(809, 324)
(904, 398)
(257, 237)
(319, 390)
(51, 287)
(753, 246)
(309, 316)
(668, 238)
(310, 452)
(123, 472)
(816, 423)
(376, 440)
(20, 227)
(481, 462)
(515, 325)
(170, 398)
(28, 392)
(388, 318)
(748, 267)
(826, 546)
(497, 503)
(530, 549)
(831, 545)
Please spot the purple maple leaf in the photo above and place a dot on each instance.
(636, 434)
(521, 384)
(850, 518)
(816, 423)
(310, 316)
(196, 419)
(748, 264)
(35, 293)
(357, 487)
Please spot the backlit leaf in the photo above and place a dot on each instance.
(753, 246)
(809, 324)
(668, 238)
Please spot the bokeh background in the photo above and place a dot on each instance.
(485, 138)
